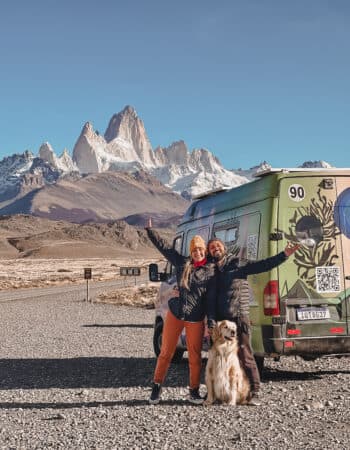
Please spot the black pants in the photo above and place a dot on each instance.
(245, 352)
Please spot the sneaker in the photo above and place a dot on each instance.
(255, 399)
(195, 398)
(155, 394)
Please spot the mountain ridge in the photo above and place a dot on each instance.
(51, 186)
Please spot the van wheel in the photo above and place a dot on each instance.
(260, 364)
(157, 343)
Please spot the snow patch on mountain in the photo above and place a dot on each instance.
(316, 164)
(64, 163)
(192, 173)
(253, 171)
(12, 168)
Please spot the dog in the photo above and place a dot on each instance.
(226, 380)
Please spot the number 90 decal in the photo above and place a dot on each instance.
(296, 192)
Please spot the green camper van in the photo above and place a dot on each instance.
(301, 307)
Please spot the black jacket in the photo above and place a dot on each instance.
(192, 303)
(228, 294)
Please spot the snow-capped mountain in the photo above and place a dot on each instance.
(315, 164)
(250, 173)
(192, 173)
(64, 163)
(23, 172)
(125, 146)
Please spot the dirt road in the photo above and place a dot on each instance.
(76, 375)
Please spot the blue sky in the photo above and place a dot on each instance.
(250, 80)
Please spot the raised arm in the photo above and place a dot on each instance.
(165, 248)
(267, 264)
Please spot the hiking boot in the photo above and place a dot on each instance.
(155, 394)
(255, 399)
(195, 398)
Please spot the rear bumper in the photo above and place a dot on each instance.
(312, 346)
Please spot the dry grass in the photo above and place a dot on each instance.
(143, 296)
(31, 273)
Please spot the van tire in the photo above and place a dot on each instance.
(157, 342)
(260, 364)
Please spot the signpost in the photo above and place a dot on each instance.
(87, 277)
(130, 272)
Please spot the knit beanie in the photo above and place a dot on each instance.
(197, 241)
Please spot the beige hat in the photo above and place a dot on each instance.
(197, 241)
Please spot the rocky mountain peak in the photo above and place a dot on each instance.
(315, 164)
(177, 153)
(127, 138)
(203, 159)
(88, 131)
(129, 110)
(88, 150)
(63, 163)
(47, 154)
(65, 153)
(122, 124)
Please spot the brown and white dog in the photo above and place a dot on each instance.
(225, 379)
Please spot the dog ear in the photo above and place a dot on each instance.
(216, 333)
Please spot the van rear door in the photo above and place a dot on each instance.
(312, 285)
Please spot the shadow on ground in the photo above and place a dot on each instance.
(91, 372)
(103, 372)
(86, 404)
(287, 375)
(114, 325)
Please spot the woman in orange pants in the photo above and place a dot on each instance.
(197, 287)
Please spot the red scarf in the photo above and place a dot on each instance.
(200, 263)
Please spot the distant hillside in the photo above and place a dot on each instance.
(27, 236)
(99, 198)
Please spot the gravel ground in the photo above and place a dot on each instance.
(75, 375)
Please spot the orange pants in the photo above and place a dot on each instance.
(194, 338)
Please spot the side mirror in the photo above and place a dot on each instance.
(153, 272)
(154, 275)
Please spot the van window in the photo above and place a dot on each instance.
(240, 235)
(177, 245)
(227, 236)
(170, 269)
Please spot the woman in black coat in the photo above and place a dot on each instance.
(197, 287)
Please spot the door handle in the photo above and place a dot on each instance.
(347, 277)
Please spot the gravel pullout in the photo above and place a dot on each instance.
(75, 375)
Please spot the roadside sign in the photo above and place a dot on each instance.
(130, 271)
(87, 273)
(87, 277)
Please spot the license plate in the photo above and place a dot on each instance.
(312, 313)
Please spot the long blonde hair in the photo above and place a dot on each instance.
(185, 277)
(196, 241)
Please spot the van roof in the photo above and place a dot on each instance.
(262, 187)
(323, 171)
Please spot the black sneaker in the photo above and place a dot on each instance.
(195, 397)
(155, 394)
(255, 399)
